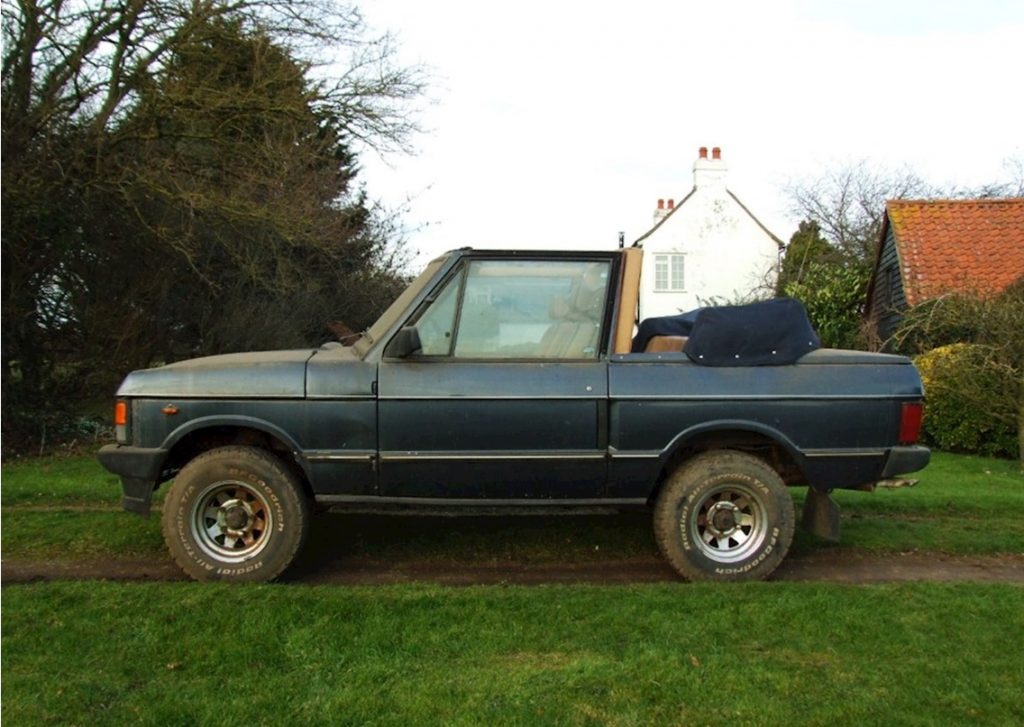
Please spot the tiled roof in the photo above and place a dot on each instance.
(973, 246)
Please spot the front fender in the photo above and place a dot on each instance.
(236, 421)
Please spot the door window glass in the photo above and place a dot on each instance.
(437, 323)
(532, 309)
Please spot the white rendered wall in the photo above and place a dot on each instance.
(727, 254)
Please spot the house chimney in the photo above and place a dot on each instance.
(661, 212)
(709, 174)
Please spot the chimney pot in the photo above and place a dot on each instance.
(661, 204)
(716, 153)
(703, 151)
(671, 204)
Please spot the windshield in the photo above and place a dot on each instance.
(390, 316)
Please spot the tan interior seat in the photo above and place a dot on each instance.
(577, 323)
(665, 344)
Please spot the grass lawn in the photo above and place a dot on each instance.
(764, 653)
(74, 480)
(68, 508)
(97, 653)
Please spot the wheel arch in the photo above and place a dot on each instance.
(754, 438)
(201, 435)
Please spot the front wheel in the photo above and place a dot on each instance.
(235, 514)
(724, 515)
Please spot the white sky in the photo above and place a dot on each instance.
(557, 124)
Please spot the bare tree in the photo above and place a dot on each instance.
(170, 164)
(848, 204)
(82, 63)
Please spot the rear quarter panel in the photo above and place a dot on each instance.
(836, 414)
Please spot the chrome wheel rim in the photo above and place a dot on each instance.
(729, 524)
(231, 521)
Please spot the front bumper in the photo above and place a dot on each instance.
(903, 460)
(139, 469)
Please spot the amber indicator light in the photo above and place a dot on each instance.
(170, 410)
(121, 414)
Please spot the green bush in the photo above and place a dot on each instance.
(966, 408)
(833, 293)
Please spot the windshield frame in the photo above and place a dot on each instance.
(379, 330)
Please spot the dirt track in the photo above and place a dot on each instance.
(374, 548)
(835, 567)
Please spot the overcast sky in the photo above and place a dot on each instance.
(558, 124)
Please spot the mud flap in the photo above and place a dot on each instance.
(821, 515)
(138, 494)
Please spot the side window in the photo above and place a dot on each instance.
(532, 309)
(436, 324)
(669, 272)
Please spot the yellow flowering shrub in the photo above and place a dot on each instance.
(966, 406)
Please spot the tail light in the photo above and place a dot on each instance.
(121, 422)
(910, 422)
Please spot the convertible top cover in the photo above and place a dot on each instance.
(772, 333)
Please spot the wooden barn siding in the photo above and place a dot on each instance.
(889, 317)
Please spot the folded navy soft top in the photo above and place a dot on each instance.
(770, 333)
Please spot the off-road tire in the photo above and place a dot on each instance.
(724, 516)
(235, 514)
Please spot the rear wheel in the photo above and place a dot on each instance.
(237, 514)
(724, 515)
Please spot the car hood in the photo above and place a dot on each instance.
(265, 374)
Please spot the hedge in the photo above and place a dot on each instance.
(967, 408)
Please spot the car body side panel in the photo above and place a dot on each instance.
(496, 430)
(837, 420)
(334, 441)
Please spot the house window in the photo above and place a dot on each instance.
(668, 272)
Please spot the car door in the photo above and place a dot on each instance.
(506, 396)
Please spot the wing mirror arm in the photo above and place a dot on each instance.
(404, 343)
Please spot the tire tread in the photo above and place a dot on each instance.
(689, 475)
(282, 474)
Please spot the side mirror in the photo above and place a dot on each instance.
(405, 342)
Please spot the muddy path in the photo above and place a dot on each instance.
(372, 548)
(833, 567)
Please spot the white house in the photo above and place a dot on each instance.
(707, 246)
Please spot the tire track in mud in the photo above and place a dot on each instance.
(834, 567)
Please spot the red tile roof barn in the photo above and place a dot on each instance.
(972, 246)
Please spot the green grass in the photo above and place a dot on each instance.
(74, 480)
(764, 653)
(66, 508)
(94, 653)
(951, 484)
(74, 534)
(963, 504)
